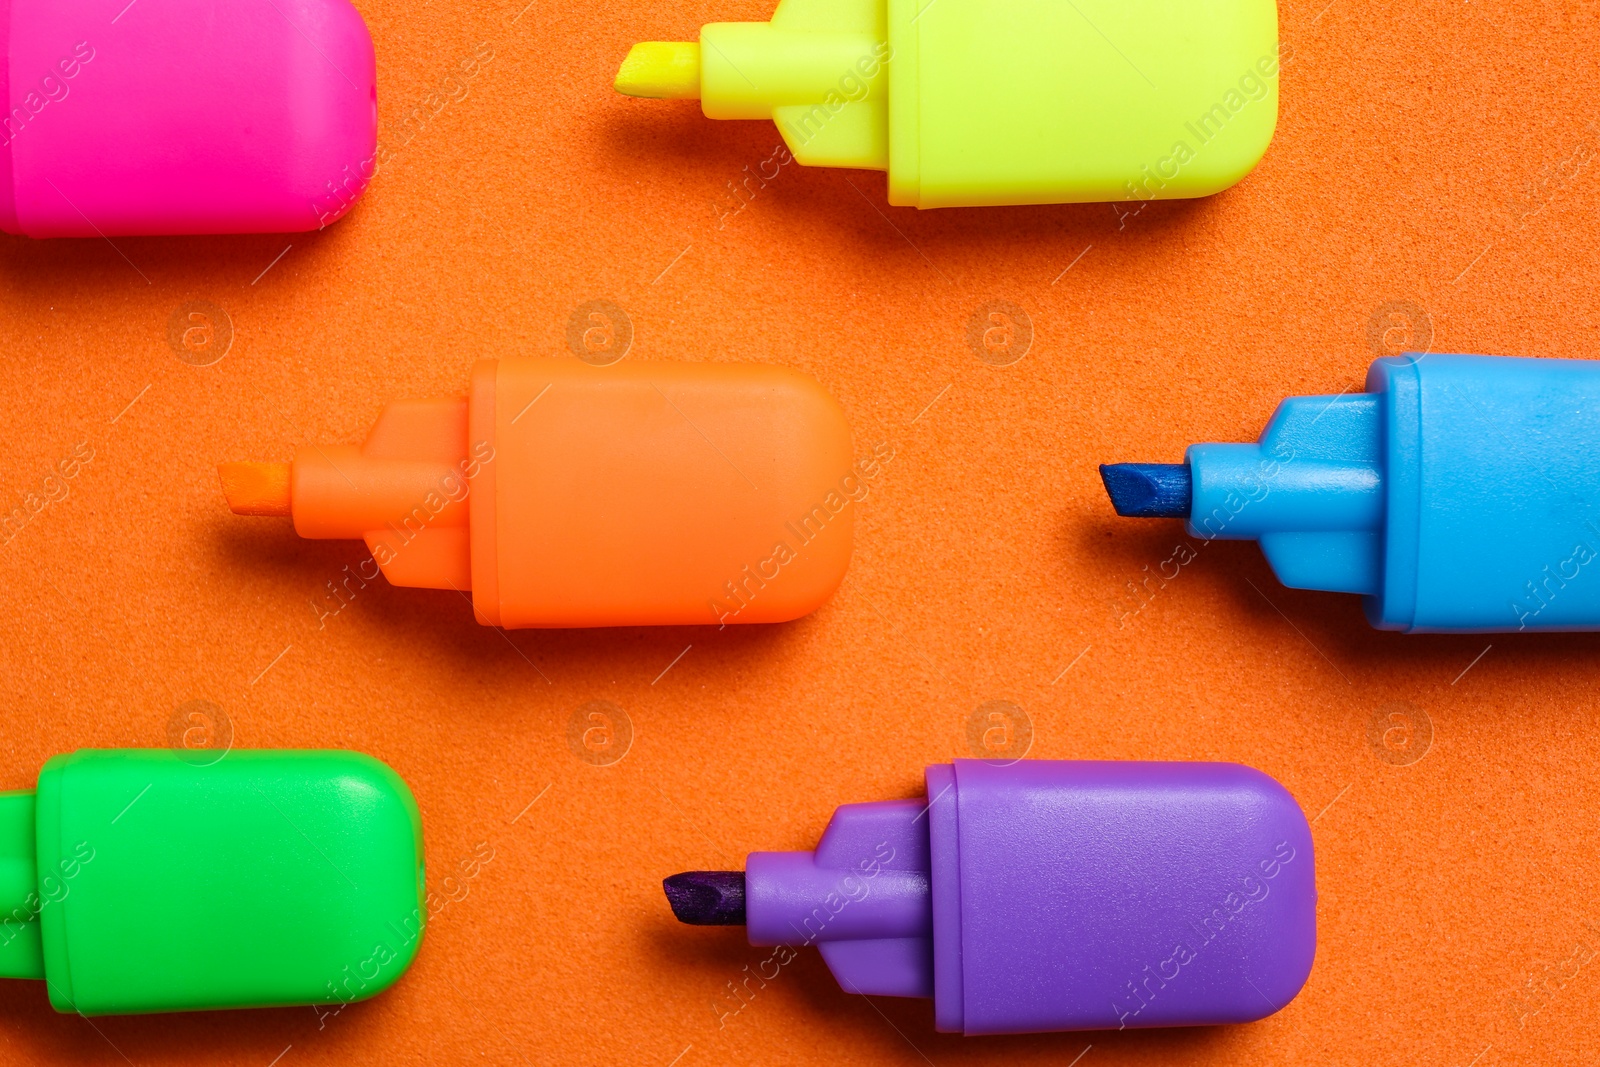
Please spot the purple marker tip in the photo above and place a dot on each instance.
(1056, 895)
(706, 898)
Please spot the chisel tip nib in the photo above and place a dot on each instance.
(1149, 490)
(256, 488)
(661, 70)
(707, 898)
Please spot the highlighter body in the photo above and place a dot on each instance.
(1456, 494)
(183, 116)
(561, 494)
(146, 880)
(999, 102)
(1049, 895)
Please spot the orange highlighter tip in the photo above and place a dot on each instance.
(256, 488)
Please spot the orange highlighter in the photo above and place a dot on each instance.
(559, 493)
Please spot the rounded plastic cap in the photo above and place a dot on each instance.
(264, 878)
(185, 116)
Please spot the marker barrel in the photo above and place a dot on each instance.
(184, 116)
(561, 493)
(148, 880)
(1458, 493)
(1058, 895)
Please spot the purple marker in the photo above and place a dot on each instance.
(1047, 895)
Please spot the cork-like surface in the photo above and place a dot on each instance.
(1433, 184)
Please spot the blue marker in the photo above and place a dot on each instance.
(1457, 494)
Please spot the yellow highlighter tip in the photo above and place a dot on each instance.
(661, 70)
(256, 488)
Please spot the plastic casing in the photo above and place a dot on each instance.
(266, 878)
(183, 116)
(1059, 895)
(637, 494)
(1455, 494)
(1037, 102)
(991, 102)
(650, 493)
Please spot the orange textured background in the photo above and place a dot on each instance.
(1427, 159)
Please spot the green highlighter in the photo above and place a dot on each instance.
(147, 880)
(969, 103)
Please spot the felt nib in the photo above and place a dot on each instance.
(256, 488)
(707, 898)
(1149, 490)
(661, 70)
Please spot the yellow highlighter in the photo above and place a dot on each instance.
(970, 103)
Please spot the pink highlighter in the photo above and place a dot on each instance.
(183, 116)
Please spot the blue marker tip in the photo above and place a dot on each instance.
(1149, 490)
